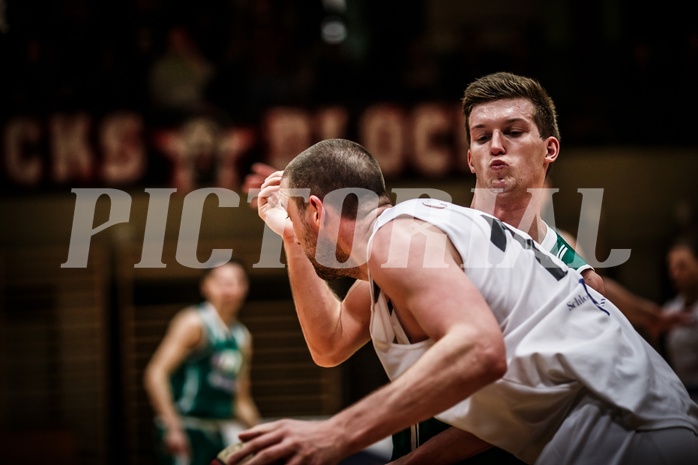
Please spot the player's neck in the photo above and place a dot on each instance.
(228, 315)
(518, 210)
(354, 239)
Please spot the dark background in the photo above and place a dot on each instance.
(619, 71)
(73, 342)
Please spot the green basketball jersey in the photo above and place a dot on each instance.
(204, 386)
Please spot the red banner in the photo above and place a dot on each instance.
(79, 149)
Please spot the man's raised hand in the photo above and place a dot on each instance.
(271, 205)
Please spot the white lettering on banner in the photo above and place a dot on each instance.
(428, 138)
(382, 130)
(331, 122)
(234, 143)
(72, 155)
(122, 145)
(287, 132)
(460, 140)
(431, 155)
(25, 168)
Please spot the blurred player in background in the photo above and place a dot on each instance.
(198, 379)
(681, 342)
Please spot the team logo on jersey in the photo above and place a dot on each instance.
(227, 361)
(225, 366)
(580, 299)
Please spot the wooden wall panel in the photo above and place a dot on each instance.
(54, 386)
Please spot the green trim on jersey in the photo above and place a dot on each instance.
(567, 254)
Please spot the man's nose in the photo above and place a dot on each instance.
(497, 143)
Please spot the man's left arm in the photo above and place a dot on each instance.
(437, 303)
(594, 280)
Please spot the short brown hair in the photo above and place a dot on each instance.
(502, 85)
(335, 164)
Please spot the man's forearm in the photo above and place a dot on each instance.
(317, 306)
(161, 400)
(247, 411)
(447, 373)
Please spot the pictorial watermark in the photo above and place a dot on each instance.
(271, 246)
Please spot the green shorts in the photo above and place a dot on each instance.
(204, 445)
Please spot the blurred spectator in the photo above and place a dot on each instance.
(178, 79)
(271, 57)
(338, 79)
(682, 341)
(229, 89)
(422, 73)
(30, 89)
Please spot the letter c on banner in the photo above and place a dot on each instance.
(382, 130)
(432, 155)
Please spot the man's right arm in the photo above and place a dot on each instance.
(333, 329)
(183, 335)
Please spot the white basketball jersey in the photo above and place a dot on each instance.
(563, 340)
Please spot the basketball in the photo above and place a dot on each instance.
(222, 457)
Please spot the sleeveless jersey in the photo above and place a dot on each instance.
(563, 340)
(204, 386)
(410, 438)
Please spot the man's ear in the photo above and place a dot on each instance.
(552, 149)
(315, 211)
(470, 163)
